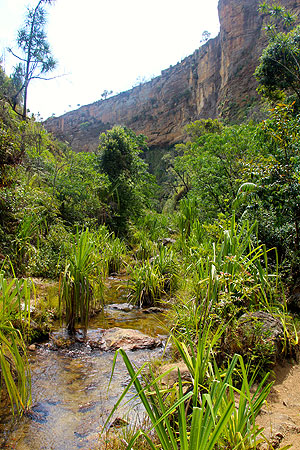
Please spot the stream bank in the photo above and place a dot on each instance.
(70, 395)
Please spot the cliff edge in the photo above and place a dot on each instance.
(216, 80)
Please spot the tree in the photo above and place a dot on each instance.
(280, 187)
(131, 186)
(36, 59)
(213, 159)
(205, 37)
(10, 87)
(278, 73)
(106, 94)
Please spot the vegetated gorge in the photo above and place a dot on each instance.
(150, 250)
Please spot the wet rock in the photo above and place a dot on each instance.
(95, 344)
(128, 339)
(60, 342)
(153, 310)
(87, 407)
(39, 331)
(126, 307)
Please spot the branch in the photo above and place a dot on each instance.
(16, 56)
(38, 77)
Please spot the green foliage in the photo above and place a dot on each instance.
(211, 420)
(78, 281)
(80, 188)
(114, 254)
(10, 87)
(36, 58)
(168, 268)
(195, 130)
(153, 225)
(278, 71)
(154, 278)
(227, 278)
(9, 153)
(146, 285)
(277, 18)
(130, 183)
(214, 161)
(146, 248)
(276, 184)
(14, 370)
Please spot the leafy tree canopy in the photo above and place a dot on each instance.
(131, 185)
(214, 163)
(278, 72)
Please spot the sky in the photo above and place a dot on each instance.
(106, 45)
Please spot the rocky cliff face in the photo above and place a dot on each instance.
(216, 80)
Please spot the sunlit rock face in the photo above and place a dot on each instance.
(215, 81)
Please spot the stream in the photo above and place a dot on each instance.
(70, 395)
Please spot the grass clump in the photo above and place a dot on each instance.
(14, 369)
(153, 279)
(146, 285)
(202, 415)
(78, 281)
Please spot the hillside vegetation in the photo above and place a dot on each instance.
(218, 240)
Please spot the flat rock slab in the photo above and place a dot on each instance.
(128, 339)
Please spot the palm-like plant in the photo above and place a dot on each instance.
(76, 283)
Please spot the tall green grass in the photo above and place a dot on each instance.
(82, 274)
(201, 418)
(154, 278)
(14, 369)
(236, 270)
(146, 285)
(114, 253)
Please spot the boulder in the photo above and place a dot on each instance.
(32, 348)
(293, 301)
(260, 330)
(128, 339)
(172, 377)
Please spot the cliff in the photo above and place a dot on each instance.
(216, 80)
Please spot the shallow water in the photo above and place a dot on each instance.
(70, 392)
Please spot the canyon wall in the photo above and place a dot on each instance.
(215, 81)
